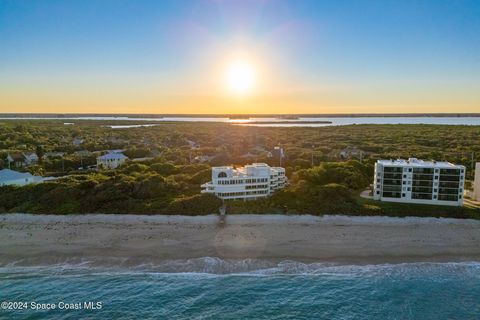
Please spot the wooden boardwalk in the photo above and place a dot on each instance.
(472, 204)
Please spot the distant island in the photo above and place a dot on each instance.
(287, 122)
(237, 116)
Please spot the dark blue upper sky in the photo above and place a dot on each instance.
(330, 54)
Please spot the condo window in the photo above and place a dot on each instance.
(378, 191)
(405, 176)
(409, 169)
(404, 182)
(403, 195)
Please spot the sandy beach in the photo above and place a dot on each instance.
(42, 239)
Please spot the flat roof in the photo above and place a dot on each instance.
(414, 162)
(241, 172)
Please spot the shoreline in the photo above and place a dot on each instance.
(30, 239)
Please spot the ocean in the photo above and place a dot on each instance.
(211, 288)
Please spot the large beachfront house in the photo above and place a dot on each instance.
(250, 182)
(419, 181)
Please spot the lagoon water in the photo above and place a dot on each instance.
(303, 121)
(210, 288)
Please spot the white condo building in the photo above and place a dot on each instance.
(250, 182)
(418, 181)
(476, 183)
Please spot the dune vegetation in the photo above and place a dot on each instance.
(327, 167)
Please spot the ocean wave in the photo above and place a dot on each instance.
(214, 266)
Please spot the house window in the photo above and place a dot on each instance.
(222, 175)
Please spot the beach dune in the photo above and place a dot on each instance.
(41, 239)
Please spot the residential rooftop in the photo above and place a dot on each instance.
(113, 156)
(7, 174)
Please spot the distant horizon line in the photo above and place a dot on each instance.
(14, 115)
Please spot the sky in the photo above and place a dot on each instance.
(140, 56)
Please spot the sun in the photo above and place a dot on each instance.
(241, 78)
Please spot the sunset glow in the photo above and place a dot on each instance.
(241, 78)
(307, 56)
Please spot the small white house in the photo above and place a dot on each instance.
(11, 177)
(19, 160)
(53, 154)
(31, 158)
(111, 160)
(77, 141)
(204, 158)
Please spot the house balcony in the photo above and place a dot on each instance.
(208, 187)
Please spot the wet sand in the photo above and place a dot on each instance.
(43, 239)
